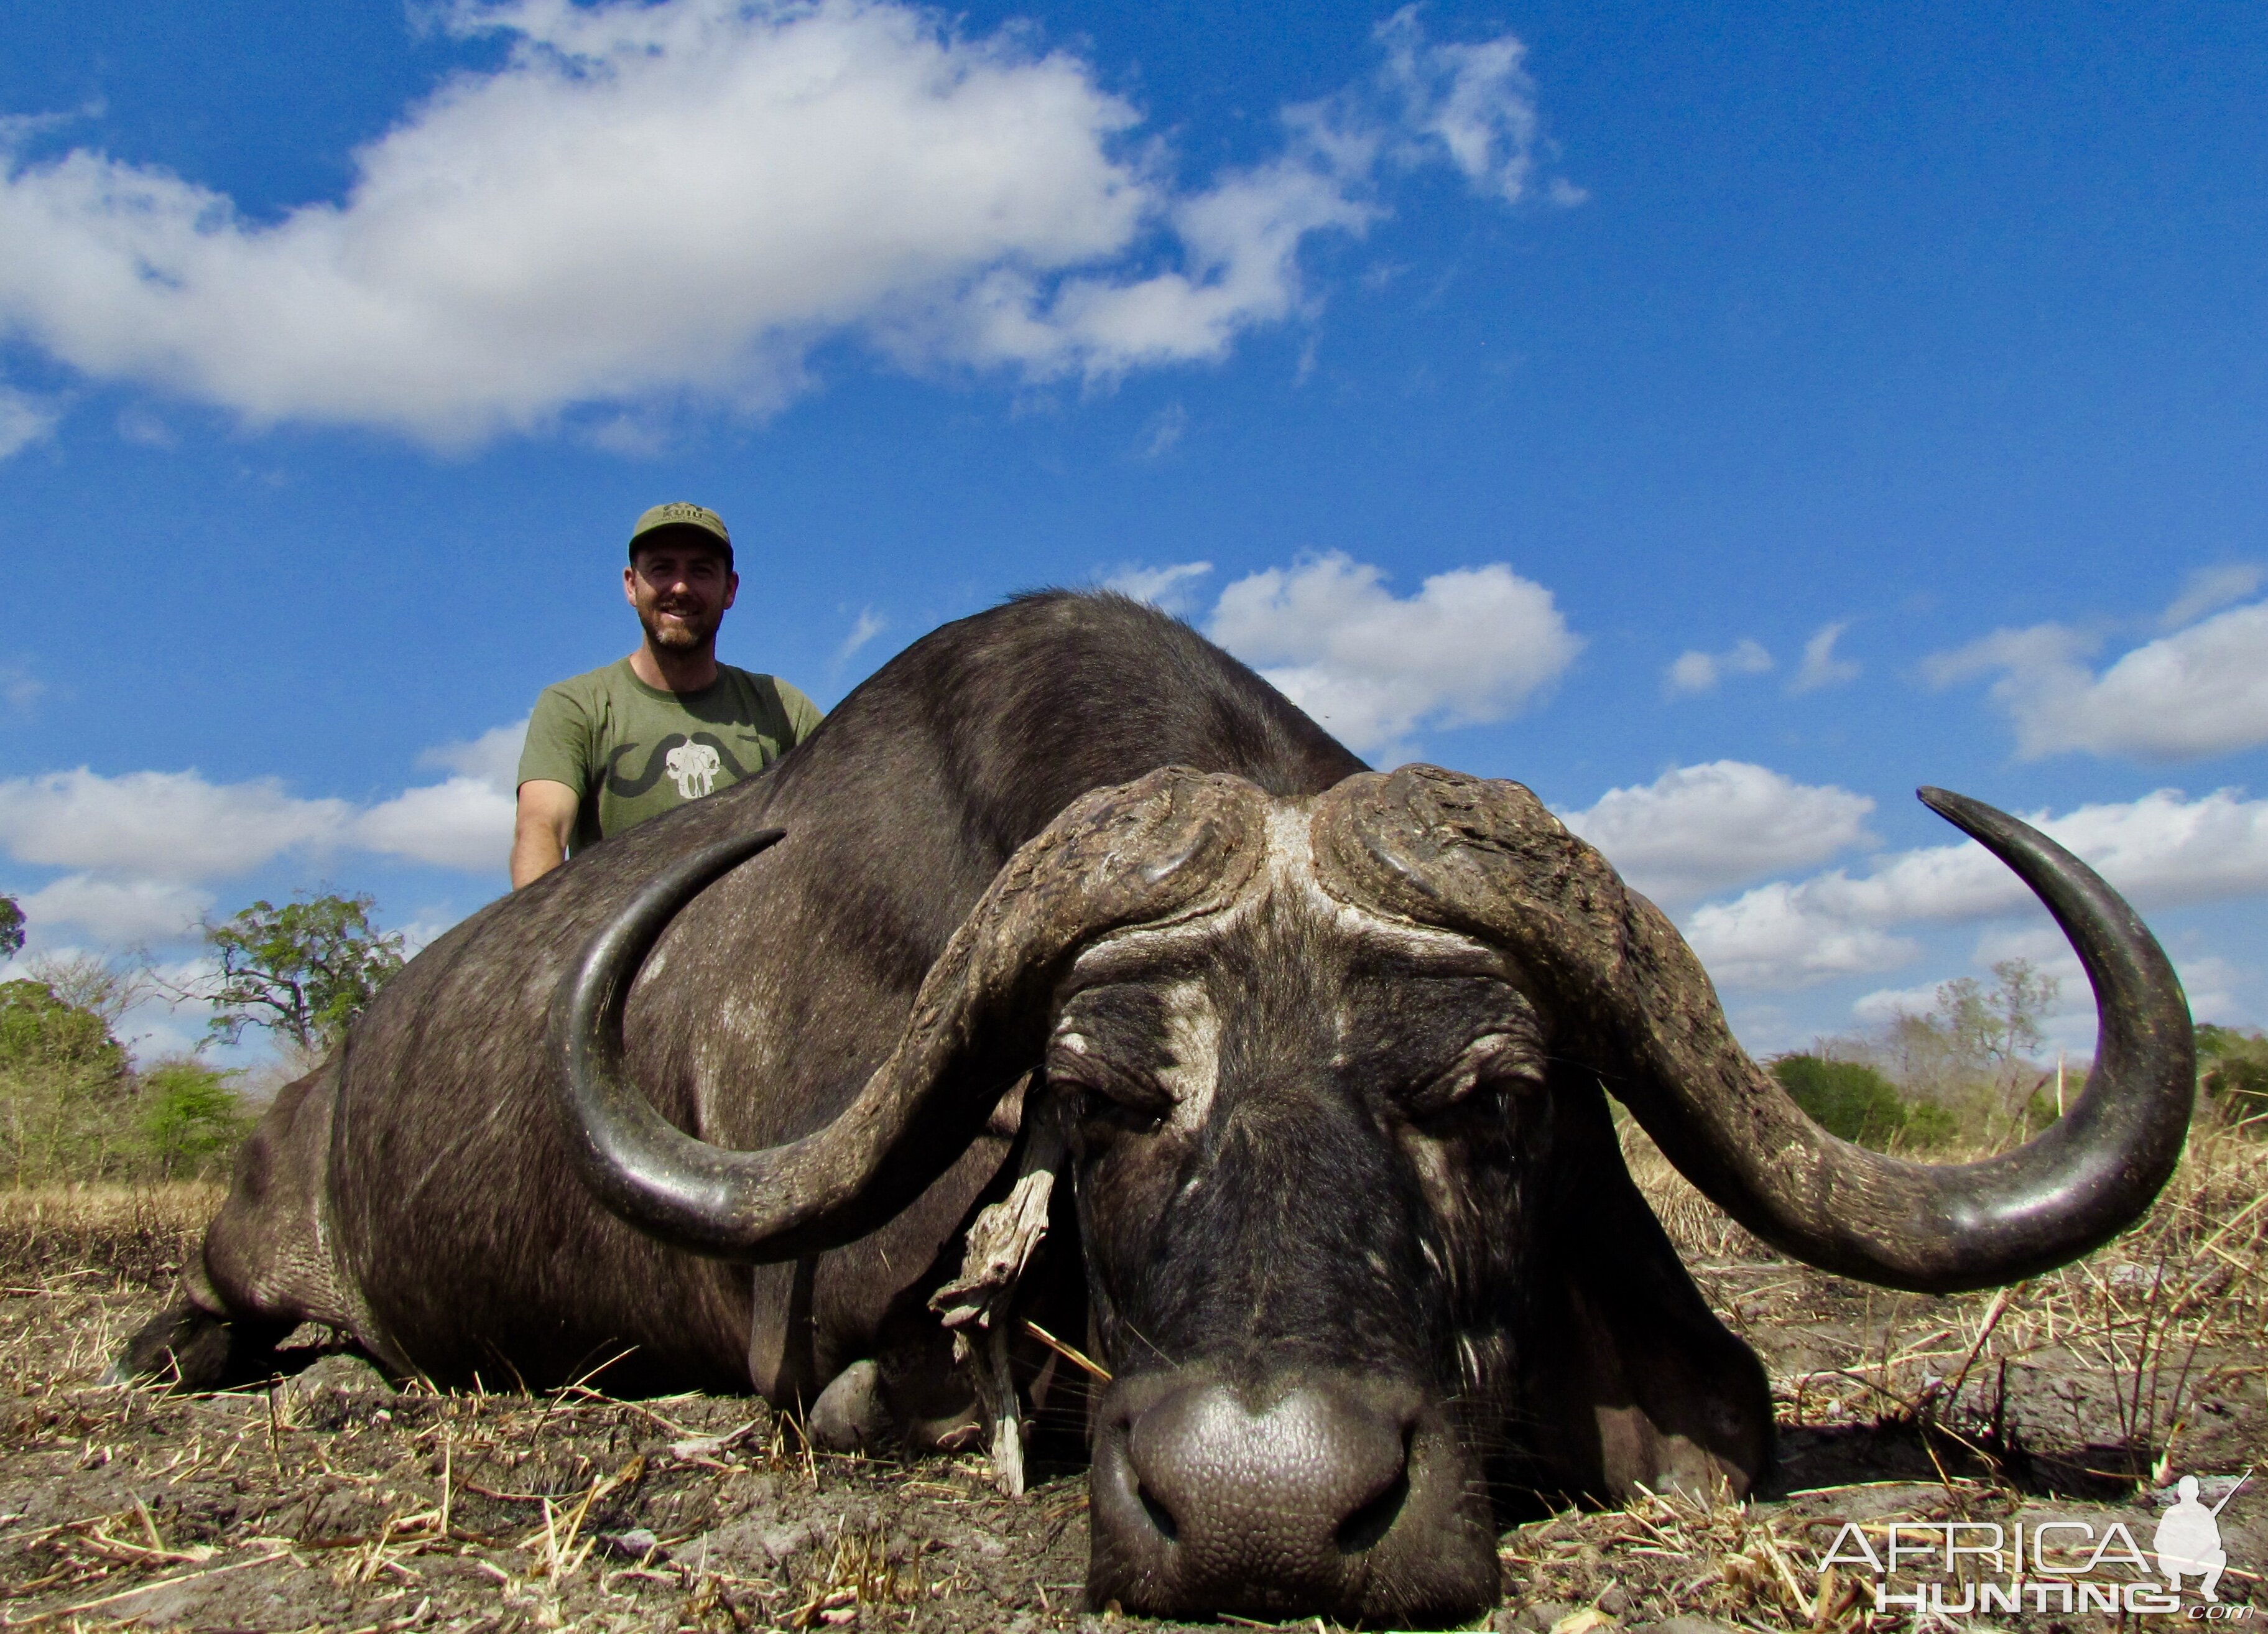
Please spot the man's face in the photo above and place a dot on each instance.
(681, 592)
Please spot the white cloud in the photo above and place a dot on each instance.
(864, 629)
(1695, 671)
(1164, 430)
(1171, 588)
(141, 846)
(19, 689)
(2163, 851)
(157, 824)
(2203, 690)
(24, 420)
(1476, 100)
(1888, 1004)
(1701, 828)
(1821, 667)
(493, 758)
(115, 911)
(2212, 985)
(138, 426)
(464, 822)
(2210, 589)
(651, 203)
(1474, 644)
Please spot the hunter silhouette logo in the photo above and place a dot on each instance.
(1985, 1567)
(2189, 1538)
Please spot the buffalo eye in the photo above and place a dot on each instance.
(1503, 1062)
(1112, 1094)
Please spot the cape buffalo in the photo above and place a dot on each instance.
(1318, 1054)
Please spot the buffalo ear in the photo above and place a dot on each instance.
(1633, 1379)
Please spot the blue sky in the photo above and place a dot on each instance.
(1722, 419)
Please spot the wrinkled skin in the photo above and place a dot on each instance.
(1319, 1161)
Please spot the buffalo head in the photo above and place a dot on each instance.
(1359, 1248)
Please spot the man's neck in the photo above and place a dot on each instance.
(675, 672)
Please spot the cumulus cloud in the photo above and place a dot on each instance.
(845, 167)
(116, 910)
(2202, 690)
(1819, 666)
(159, 825)
(141, 847)
(1696, 830)
(492, 758)
(1474, 644)
(2163, 851)
(465, 822)
(2210, 589)
(1172, 588)
(1694, 671)
(24, 420)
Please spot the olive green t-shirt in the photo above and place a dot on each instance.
(633, 751)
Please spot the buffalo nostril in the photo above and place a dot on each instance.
(1160, 1516)
(1361, 1530)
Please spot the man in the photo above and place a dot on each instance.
(668, 723)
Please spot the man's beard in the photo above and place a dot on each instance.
(689, 636)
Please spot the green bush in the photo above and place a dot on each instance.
(2232, 1073)
(63, 1085)
(190, 1118)
(39, 1031)
(1845, 1098)
(1929, 1125)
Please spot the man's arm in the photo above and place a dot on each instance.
(540, 831)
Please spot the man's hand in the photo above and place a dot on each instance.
(539, 833)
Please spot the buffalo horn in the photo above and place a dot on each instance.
(1171, 843)
(1635, 1004)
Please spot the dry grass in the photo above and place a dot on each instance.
(332, 1501)
(138, 1233)
(340, 1504)
(2142, 1347)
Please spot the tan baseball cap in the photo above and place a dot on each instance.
(678, 514)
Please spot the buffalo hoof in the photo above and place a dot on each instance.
(186, 1348)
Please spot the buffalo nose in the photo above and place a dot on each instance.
(1282, 1498)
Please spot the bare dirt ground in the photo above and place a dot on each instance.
(333, 1501)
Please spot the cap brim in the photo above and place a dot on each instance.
(682, 533)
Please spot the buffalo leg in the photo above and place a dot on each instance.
(264, 1267)
(1637, 1382)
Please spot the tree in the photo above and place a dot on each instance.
(92, 982)
(11, 928)
(303, 971)
(1845, 1098)
(2233, 1071)
(1994, 1029)
(1969, 1054)
(62, 1084)
(190, 1115)
(39, 1029)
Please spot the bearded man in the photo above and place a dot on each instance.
(608, 749)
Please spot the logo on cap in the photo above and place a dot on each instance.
(679, 513)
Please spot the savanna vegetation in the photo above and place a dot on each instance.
(1973, 1073)
(341, 1499)
(75, 1108)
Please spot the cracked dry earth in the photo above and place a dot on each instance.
(333, 1501)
